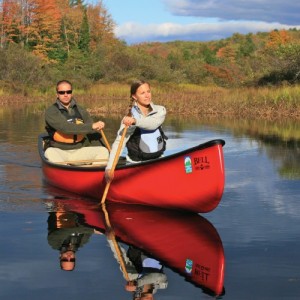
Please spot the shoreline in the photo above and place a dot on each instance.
(186, 100)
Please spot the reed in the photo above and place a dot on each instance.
(187, 99)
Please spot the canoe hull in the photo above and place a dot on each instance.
(192, 180)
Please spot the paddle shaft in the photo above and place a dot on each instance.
(105, 140)
(116, 245)
(116, 158)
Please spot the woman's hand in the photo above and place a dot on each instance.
(130, 286)
(109, 176)
(128, 121)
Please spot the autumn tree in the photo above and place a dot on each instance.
(72, 16)
(11, 21)
(101, 26)
(278, 38)
(44, 27)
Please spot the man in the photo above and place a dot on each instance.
(73, 133)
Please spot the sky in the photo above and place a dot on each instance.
(139, 21)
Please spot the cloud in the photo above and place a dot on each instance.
(134, 33)
(204, 20)
(285, 12)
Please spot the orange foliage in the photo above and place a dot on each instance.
(219, 72)
(41, 23)
(101, 26)
(158, 49)
(44, 27)
(278, 37)
(226, 52)
(10, 20)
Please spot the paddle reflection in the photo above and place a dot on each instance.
(145, 241)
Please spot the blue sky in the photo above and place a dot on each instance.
(198, 20)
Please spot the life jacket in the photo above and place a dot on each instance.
(67, 138)
(146, 144)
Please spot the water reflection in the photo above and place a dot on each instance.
(21, 124)
(280, 139)
(287, 152)
(66, 234)
(144, 241)
(144, 274)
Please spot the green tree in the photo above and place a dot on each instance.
(21, 70)
(209, 56)
(247, 46)
(84, 38)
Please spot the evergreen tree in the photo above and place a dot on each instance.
(84, 38)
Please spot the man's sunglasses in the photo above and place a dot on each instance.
(67, 259)
(65, 92)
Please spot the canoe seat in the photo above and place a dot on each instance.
(87, 163)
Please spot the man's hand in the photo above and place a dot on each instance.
(98, 125)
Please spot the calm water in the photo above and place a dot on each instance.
(257, 221)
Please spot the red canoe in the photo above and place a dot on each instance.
(186, 242)
(191, 180)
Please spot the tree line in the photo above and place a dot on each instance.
(42, 41)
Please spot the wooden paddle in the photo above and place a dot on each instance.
(115, 243)
(116, 158)
(105, 140)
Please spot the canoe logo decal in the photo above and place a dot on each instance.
(188, 164)
(202, 272)
(188, 266)
(201, 163)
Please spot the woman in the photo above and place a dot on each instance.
(144, 138)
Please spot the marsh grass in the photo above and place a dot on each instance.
(266, 103)
(186, 99)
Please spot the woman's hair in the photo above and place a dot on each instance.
(135, 85)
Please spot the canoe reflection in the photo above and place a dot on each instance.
(148, 238)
